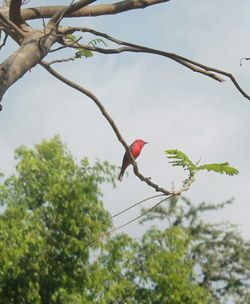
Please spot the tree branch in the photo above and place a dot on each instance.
(107, 219)
(12, 28)
(131, 47)
(108, 233)
(60, 13)
(90, 11)
(72, 58)
(108, 118)
(140, 49)
(141, 215)
(22, 60)
(15, 14)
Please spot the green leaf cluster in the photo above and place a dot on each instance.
(157, 269)
(43, 251)
(80, 51)
(178, 158)
(220, 254)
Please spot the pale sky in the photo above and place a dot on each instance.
(152, 98)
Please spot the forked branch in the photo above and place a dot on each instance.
(131, 47)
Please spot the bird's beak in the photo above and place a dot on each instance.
(146, 142)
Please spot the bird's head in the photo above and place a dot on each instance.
(140, 143)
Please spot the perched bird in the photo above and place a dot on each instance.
(135, 149)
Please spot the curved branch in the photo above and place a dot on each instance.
(89, 11)
(131, 47)
(109, 119)
(141, 49)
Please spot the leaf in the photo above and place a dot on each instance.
(71, 37)
(223, 168)
(180, 159)
(97, 41)
(83, 53)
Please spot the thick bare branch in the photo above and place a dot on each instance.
(27, 56)
(69, 9)
(95, 10)
(15, 14)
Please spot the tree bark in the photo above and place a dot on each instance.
(33, 49)
(91, 10)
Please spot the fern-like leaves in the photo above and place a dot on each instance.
(82, 52)
(178, 158)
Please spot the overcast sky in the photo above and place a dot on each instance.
(152, 98)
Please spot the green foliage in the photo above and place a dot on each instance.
(219, 252)
(178, 158)
(96, 42)
(220, 168)
(157, 269)
(43, 251)
(80, 51)
(52, 211)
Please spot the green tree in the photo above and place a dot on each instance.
(157, 269)
(220, 253)
(50, 228)
(43, 251)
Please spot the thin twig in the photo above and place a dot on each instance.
(64, 45)
(108, 233)
(121, 212)
(141, 215)
(244, 58)
(72, 58)
(4, 40)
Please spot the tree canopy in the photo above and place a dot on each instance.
(56, 244)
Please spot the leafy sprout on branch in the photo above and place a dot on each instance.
(81, 51)
(180, 159)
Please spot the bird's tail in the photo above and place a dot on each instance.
(120, 176)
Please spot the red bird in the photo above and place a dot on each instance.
(135, 149)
